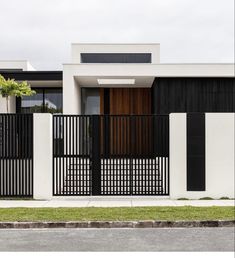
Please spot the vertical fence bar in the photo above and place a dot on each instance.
(96, 162)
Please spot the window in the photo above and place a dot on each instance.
(90, 101)
(44, 101)
(53, 101)
(115, 58)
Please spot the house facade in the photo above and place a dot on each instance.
(123, 79)
(115, 107)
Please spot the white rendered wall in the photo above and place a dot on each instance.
(16, 64)
(71, 93)
(152, 70)
(42, 182)
(220, 156)
(77, 49)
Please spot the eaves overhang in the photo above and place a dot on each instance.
(88, 75)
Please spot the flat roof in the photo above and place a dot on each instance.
(33, 75)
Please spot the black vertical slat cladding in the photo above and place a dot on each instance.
(76, 151)
(170, 95)
(56, 152)
(54, 121)
(196, 152)
(73, 153)
(95, 158)
(79, 152)
(66, 156)
(82, 153)
(70, 171)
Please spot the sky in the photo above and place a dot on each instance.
(189, 31)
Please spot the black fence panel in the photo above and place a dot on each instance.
(111, 155)
(71, 151)
(134, 154)
(16, 155)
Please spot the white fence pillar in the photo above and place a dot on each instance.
(178, 155)
(43, 156)
(220, 154)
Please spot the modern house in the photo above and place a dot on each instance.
(124, 79)
(116, 100)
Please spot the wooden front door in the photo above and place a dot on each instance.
(126, 135)
(126, 101)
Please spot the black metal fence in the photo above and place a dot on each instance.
(111, 155)
(16, 155)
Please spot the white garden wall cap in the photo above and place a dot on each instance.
(103, 43)
(108, 64)
(151, 64)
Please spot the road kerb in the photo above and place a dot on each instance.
(118, 224)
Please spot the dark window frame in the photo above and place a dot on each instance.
(83, 97)
(119, 58)
(43, 89)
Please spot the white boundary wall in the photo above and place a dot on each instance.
(42, 181)
(220, 156)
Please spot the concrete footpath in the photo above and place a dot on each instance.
(110, 202)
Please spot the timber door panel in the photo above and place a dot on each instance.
(127, 101)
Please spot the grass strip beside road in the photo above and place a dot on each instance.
(187, 213)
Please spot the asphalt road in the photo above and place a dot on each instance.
(163, 239)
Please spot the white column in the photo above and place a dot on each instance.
(220, 154)
(42, 156)
(71, 92)
(178, 155)
(11, 105)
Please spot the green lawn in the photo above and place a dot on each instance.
(117, 214)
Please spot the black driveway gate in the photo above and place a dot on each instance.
(111, 155)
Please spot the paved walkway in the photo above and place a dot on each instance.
(111, 202)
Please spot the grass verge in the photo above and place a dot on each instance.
(117, 214)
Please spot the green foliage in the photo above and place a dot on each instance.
(224, 198)
(10, 87)
(183, 199)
